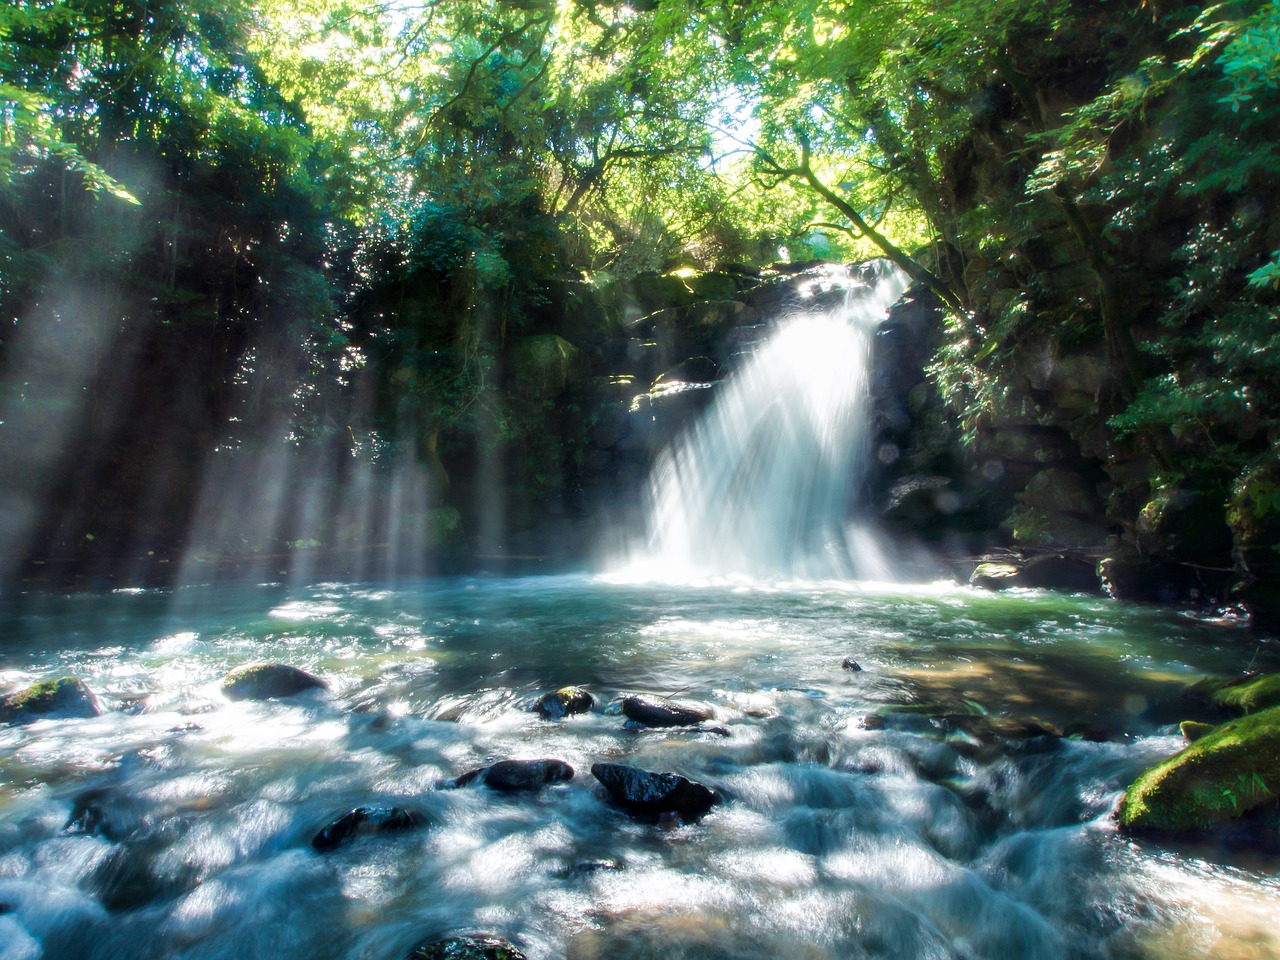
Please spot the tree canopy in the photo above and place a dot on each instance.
(283, 207)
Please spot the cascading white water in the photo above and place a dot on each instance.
(764, 483)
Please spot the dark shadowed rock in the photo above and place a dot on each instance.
(466, 948)
(366, 820)
(1063, 573)
(660, 712)
(564, 702)
(511, 776)
(651, 795)
(48, 700)
(851, 664)
(267, 681)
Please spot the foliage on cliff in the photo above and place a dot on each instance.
(315, 222)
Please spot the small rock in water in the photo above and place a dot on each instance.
(653, 795)
(564, 702)
(103, 812)
(62, 698)
(872, 721)
(851, 664)
(510, 776)
(660, 712)
(466, 948)
(586, 868)
(366, 820)
(267, 681)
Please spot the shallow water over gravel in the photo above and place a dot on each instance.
(957, 824)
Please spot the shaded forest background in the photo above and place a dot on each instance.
(297, 278)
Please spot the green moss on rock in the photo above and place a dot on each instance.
(1193, 730)
(1221, 776)
(1259, 693)
(267, 681)
(60, 697)
(1238, 695)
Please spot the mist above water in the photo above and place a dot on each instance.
(767, 482)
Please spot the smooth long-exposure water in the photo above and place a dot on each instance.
(971, 817)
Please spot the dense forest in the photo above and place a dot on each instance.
(280, 276)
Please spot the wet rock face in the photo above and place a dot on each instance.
(654, 795)
(511, 776)
(50, 699)
(366, 820)
(564, 702)
(268, 681)
(660, 712)
(466, 948)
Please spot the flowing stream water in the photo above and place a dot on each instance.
(959, 825)
(952, 798)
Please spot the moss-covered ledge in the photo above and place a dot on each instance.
(1231, 771)
(1238, 695)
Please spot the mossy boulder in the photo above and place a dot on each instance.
(50, 699)
(1194, 730)
(564, 702)
(995, 575)
(1238, 695)
(466, 948)
(1223, 775)
(268, 681)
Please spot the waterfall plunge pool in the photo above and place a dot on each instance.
(958, 825)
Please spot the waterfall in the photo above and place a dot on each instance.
(767, 482)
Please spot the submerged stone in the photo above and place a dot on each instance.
(62, 698)
(661, 712)
(268, 681)
(361, 821)
(1228, 772)
(466, 948)
(510, 776)
(851, 664)
(653, 795)
(564, 702)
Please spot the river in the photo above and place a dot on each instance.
(971, 816)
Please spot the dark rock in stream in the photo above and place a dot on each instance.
(268, 681)
(564, 702)
(660, 712)
(851, 664)
(62, 698)
(653, 795)
(466, 948)
(510, 776)
(366, 820)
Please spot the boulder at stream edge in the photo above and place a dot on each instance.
(50, 699)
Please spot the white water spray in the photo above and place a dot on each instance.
(764, 484)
